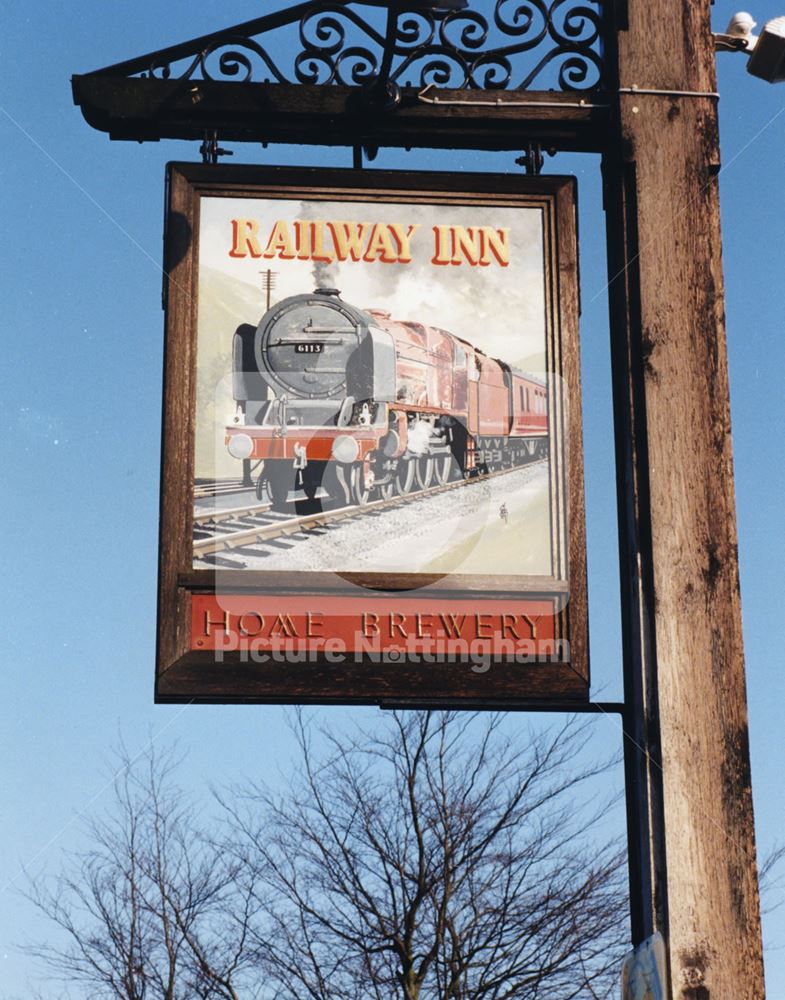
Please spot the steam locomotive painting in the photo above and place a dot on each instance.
(377, 389)
(350, 405)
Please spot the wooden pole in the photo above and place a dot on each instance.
(692, 848)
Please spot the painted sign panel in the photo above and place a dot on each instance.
(372, 481)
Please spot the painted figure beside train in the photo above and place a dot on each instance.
(353, 401)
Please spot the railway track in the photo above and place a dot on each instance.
(203, 518)
(236, 529)
(218, 488)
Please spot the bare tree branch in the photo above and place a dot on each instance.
(153, 909)
(435, 858)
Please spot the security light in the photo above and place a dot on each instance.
(766, 51)
(768, 56)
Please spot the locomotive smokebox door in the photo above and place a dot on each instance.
(302, 345)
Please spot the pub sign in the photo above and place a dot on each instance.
(371, 474)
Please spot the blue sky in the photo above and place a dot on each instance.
(82, 351)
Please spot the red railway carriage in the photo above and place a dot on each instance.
(528, 406)
(354, 402)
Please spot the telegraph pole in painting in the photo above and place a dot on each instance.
(268, 283)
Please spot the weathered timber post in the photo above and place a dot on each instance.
(693, 873)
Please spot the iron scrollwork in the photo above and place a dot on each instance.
(522, 45)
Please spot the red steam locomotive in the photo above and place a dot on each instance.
(358, 404)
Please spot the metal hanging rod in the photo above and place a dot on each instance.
(499, 102)
(634, 89)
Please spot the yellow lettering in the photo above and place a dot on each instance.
(348, 238)
(319, 252)
(404, 241)
(496, 242)
(280, 242)
(468, 242)
(380, 246)
(442, 242)
(244, 241)
(302, 236)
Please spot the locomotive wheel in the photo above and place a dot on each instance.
(332, 486)
(361, 491)
(388, 490)
(443, 468)
(404, 476)
(278, 484)
(423, 471)
(261, 489)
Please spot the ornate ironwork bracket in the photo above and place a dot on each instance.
(358, 42)
(375, 55)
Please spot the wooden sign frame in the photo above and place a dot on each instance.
(212, 646)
